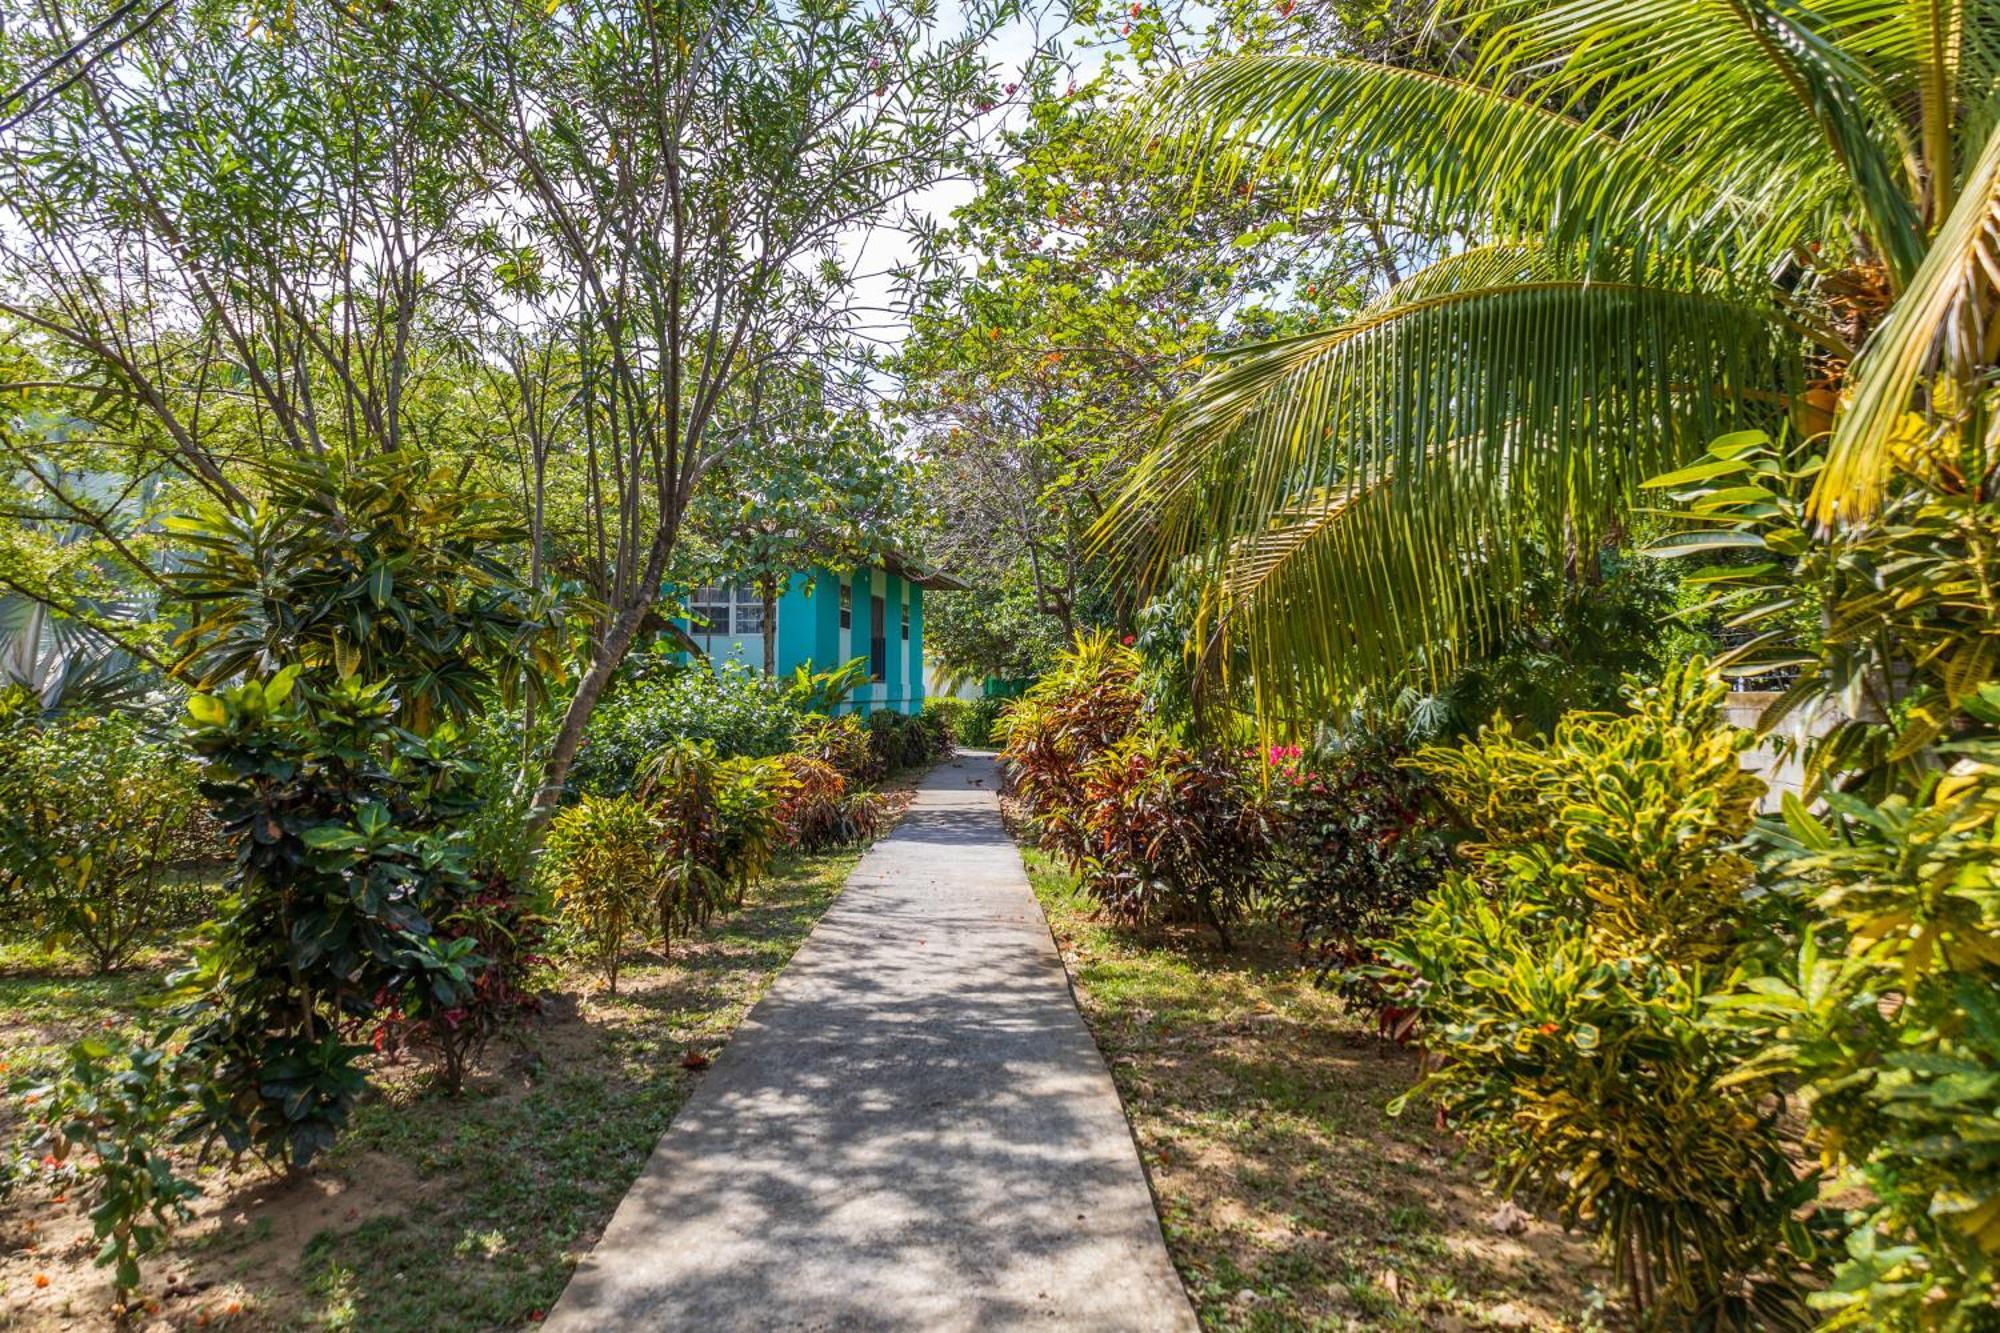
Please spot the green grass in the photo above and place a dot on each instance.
(434, 1212)
(1290, 1199)
(513, 1188)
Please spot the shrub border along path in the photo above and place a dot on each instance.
(913, 1129)
(432, 1212)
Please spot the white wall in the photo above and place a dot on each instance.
(1781, 774)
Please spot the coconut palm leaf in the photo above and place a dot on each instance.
(1801, 110)
(1442, 154)
(1942, 329)
(1670, 207)
(1360, 492)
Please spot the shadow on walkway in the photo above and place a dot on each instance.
(914, 1129)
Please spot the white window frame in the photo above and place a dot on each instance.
(710, 603)
(749, 615)
(731, 610)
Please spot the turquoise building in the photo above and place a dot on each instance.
(827, 617)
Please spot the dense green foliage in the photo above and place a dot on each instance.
(1883, 1008)
(1639, 225)
(1564, 977)
(387, 570)
(348, 852)
(601, 862)
(1362, 844)
(736, 710)
(93, 817)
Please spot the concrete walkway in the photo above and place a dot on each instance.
(913, 1129)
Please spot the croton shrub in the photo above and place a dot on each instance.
(1565, 977)
(1155, 828)
(1088, 702)
(1880, 1007)
(1362, 841)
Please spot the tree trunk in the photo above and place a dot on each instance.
(769, 589)
(611, 650)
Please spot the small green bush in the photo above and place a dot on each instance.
(719, 827)
(976, 725)
(947, 713)
(106, 1125)
(601, 863)
(94, 815)
(733, 708)
(750, 828)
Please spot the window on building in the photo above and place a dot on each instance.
(906, 622)
(878, 638)
(710, 609)
(749, 610)
(727, 608)
(846, 605)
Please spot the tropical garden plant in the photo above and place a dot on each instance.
(601, 862)
(1089, 702)
(1652, 221)
(1172, 833)
(1564, 979)
(1360, 842)
(1881, 1005)
(95, 816)
(820, 810)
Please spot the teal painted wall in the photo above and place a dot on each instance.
(809, 631)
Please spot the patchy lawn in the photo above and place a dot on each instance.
(431, 1213)
(1289, 1198)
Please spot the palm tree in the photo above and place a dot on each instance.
(1661, 220)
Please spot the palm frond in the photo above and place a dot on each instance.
(1941, 329)
(1725, 90)
(1361, 491)
(1444, 154)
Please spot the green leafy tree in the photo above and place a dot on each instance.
(686, 179)
(1037, 371)
(812, 487)
(325, 243)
